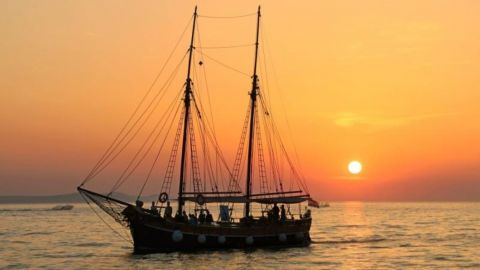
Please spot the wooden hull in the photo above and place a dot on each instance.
(154, 234)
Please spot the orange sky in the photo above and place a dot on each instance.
(393, 84)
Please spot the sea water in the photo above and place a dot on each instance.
(347, 235)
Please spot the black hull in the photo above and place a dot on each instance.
(154, 234)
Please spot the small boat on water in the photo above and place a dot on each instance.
(274, 198)
(61, 207)
(323, 204)
(316, 204)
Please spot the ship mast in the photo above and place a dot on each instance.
(253, 99)
(188, 92)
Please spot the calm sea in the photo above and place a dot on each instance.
(350, 235)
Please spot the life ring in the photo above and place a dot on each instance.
(163, 197)
(200, 199)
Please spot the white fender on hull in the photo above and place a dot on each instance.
(177, 236)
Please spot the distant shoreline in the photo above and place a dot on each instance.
(76, 198)
(63, 198)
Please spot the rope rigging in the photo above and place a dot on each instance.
(223, 64)
(225, 46)
(203, 168)
(160, 94)
(126, 238)
(107, 152)
(212, 123)
(207, 166)
(124, 176)
(158, 154)
(282, 103)
(227, 17)
(188, 155)
(167, 180)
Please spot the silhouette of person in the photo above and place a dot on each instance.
(283, 214)
(178, 216)
(168, 211)
(193, 219)
(153, 209)
(275, 212)
(209, 217)
(201, 217)
(184, 217)
(139, 204)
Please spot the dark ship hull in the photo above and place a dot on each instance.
(155, 234)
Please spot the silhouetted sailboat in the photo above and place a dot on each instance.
(161, 229)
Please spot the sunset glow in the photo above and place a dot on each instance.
(393, 82)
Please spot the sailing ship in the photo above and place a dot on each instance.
(266, 220)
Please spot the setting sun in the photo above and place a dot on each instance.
(355, 167)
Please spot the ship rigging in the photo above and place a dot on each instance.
(198, 167)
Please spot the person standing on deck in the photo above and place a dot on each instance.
(208, 217)
(283, 214)
(168, 211)
(153, 209)
(184, 216)
(276, 212)
(202, 217)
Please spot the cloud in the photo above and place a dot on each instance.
(379, 121)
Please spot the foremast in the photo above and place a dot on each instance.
(187, 98)
(253, 99)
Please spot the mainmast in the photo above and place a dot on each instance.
(253, 99)
(188, 92)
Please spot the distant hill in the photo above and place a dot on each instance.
(66, 198)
